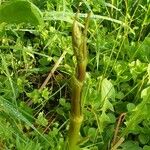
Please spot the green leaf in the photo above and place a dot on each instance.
(91, 132)
(140, 112)
(143, 51)
(41, 120)
(35, 96)
(104, 118)
(20, 11)
(146, 147)
(130, 145)
(31, 145)
(103, 121)
(144, 138)
(107, 92)
(137, 67)
(112, 118)
(145, 94)
(130, 106)
(107, 89)
(45, 93)
(62, 102)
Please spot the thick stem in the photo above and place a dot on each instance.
(74, 130)
(80, 51)
(81, 70)
(76, 97)
(76, 114)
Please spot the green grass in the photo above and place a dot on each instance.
(117, 78)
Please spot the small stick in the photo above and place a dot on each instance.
(118, 144)
(121, 118)
(53, 70)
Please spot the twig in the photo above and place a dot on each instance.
(53, 70)
(121, 118)
(118, 144)
(51, 120)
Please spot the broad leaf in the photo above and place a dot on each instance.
(130, 145)
(107, 93)
(20, 11)
(140, 112)
(107, 90)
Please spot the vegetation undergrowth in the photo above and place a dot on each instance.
(37, 62)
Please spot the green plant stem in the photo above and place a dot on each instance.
(81, 71)
(75, 124)
(76, 116)
(76, 97)
(80, 50)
